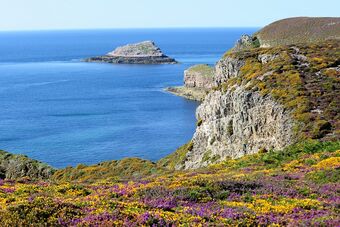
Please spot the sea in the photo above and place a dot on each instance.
(62, 111)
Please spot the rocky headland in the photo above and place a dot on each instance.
(266, 95)
(265, 152)
(139, 53)
(256, 99)
(198, 80)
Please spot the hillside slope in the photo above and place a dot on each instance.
(299, 30)
(19, 166)
(297, 186)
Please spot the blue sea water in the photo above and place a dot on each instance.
(62, 111)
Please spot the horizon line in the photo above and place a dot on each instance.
(125, 28)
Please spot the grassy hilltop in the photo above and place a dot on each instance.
(299, 30)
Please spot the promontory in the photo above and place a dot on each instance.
(139, 53)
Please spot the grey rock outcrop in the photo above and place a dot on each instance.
(246, 42)
(198, 81)
(19, 166)
(227, 68)
(237, 121)
(139, 53)
(265, 58)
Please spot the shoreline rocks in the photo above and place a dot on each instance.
(195, 94)
(139, 53)
(198, 81)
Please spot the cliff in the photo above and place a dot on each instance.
(267, 99)
(139, 53)
(198, 80)
(20, 166)
(260, 100)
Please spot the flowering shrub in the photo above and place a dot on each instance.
(246, 192)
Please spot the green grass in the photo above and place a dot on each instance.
(274, 159)
(128, 168)
(299, 30)
(204, 70)
(176, 158)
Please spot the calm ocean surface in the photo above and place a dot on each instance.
(59, 110)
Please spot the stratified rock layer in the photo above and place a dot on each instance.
(140, 53)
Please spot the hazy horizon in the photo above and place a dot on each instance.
(41, 15)
(130, 28)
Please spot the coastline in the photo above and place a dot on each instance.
(195, 94)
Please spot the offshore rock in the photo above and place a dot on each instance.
(139, 53)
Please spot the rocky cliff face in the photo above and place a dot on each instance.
(246, 42)
(227, 68)
(199, 76)
(235, 123)
(267, 99)
(198, 80)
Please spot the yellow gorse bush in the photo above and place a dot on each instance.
(329, 163)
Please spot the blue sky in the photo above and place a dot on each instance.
(83, 14)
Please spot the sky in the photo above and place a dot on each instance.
(97, 14)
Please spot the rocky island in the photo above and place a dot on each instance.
(198, 80)
(139, 53)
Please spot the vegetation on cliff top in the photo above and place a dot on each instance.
(260, 189)
(177, 158)
(128, 168)
(203, 70)
(304, 78)
(299, 30)
(16, 166)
